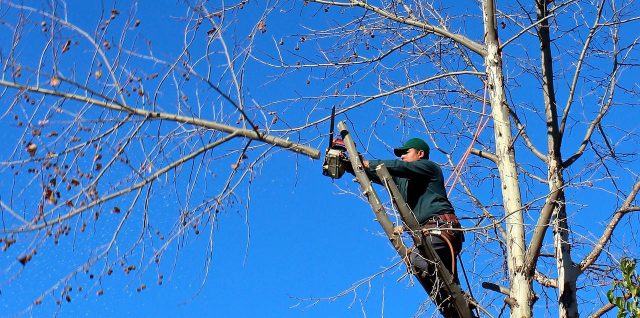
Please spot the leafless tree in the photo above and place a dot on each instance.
(105, 135)
(433, 61)
(102, 131)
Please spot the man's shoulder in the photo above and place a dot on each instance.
(428, 164)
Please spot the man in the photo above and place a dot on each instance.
(421, 184)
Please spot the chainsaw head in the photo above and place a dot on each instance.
(335, 160)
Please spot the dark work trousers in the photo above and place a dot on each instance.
(433, 285)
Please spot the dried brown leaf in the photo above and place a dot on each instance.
(24, 259)
(262, 26)
(66, 46)
(31, 149)
(54, 81)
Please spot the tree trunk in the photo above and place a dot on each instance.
(520, 281)
(567, 273)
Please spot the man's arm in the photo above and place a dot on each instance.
(401, 169)
(371, 173)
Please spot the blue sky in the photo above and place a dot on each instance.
(294, 239)
(301, 241)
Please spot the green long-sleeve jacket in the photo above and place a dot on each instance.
(421, 184)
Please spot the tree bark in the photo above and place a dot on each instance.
(567, 273)
(520, 292)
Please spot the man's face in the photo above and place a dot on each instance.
(412, 155)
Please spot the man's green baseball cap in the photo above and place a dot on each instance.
(415, 143)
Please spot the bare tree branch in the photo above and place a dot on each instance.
(103, 199)
(608, 230)
(247, 133)
(602, 310)
(472, 45)
(576, 75)
(607, 101)
(533, 251)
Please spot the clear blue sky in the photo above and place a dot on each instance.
(303, 239)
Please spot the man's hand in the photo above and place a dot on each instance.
(346, 164)
(398, 230)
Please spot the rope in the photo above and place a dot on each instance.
(481, 125)
(453, 253)
(457, 171)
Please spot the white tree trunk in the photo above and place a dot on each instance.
(520, 282)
